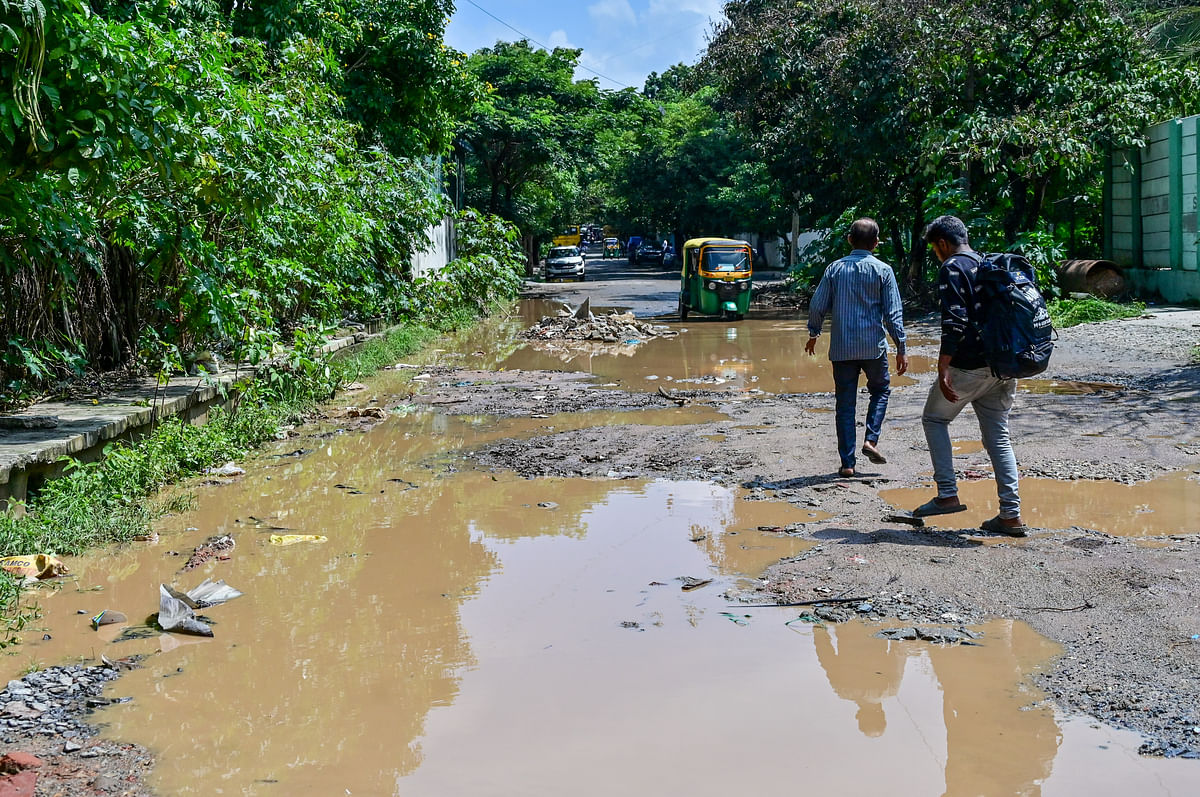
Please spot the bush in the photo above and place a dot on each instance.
(1072, 312)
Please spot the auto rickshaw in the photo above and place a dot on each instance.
(716, 277)
(612, 248)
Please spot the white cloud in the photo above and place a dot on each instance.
(707, 8)
(559, 38)
(618, 12)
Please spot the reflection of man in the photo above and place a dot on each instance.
(992, 745)
(863, 670)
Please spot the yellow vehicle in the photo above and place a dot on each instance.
(716, 278)
(570, 237)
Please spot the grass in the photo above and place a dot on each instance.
(111, 500)
(1072, 312)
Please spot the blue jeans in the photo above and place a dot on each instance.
(845, 386)
(992, 400)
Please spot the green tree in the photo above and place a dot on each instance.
(868, 108)
(531, 138)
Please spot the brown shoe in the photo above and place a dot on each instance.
(872, 453)
(997, 526)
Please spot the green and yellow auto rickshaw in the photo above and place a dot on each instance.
(716, 278)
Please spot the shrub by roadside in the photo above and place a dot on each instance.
(109, 500)
(1071, 312)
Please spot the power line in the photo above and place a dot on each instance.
(646, 44)
(543, 46)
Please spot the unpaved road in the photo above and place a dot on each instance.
(1110, 468)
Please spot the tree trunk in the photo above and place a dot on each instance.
(916, 254)
(897, 245)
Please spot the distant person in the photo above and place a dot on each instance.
(860, 290)
(965, 378)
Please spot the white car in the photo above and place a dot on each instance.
(565, 262)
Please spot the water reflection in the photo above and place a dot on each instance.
(862, 670)
(758, 353)
(994, 742)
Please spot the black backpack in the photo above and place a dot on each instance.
(1015, 330)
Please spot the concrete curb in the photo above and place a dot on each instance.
(35, 439)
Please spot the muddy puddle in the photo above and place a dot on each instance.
(1066, 387)
(473, 633)
(1166, 505)
(706, 355)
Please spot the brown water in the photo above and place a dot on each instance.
(458, 638)
(1066, 387)
(1167, 505)
(766, 354)
(470, 633)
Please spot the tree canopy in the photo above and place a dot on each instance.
(994, 108)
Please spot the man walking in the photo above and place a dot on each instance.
(965, 378)
(861, 294)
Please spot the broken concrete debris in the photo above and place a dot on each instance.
(583, 325)
(219, 547)
(944, 636)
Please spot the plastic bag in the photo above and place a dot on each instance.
(292, 539)
(39, 566)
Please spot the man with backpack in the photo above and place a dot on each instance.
(995, 328)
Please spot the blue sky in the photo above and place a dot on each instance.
(624, 40)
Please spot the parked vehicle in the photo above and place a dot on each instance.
(566, 262)
(612, 248)
(650, 253)
(569, 237)
(631, 248)
(716, 278)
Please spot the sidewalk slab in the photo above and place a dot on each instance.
(33, 441)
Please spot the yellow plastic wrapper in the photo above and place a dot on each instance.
(292, 539)
(39, 566)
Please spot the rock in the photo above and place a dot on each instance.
(28, 421)
(106, 783)
(72, 747)
(15, 762)
(22, 711)
(21, 784)
(903, 633)
(833, 614)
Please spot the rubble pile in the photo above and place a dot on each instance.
(53, 701)
(583, 325)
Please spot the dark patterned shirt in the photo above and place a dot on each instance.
(961, 307)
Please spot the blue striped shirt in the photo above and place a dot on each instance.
(861, 291)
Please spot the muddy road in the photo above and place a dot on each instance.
(555, 568)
